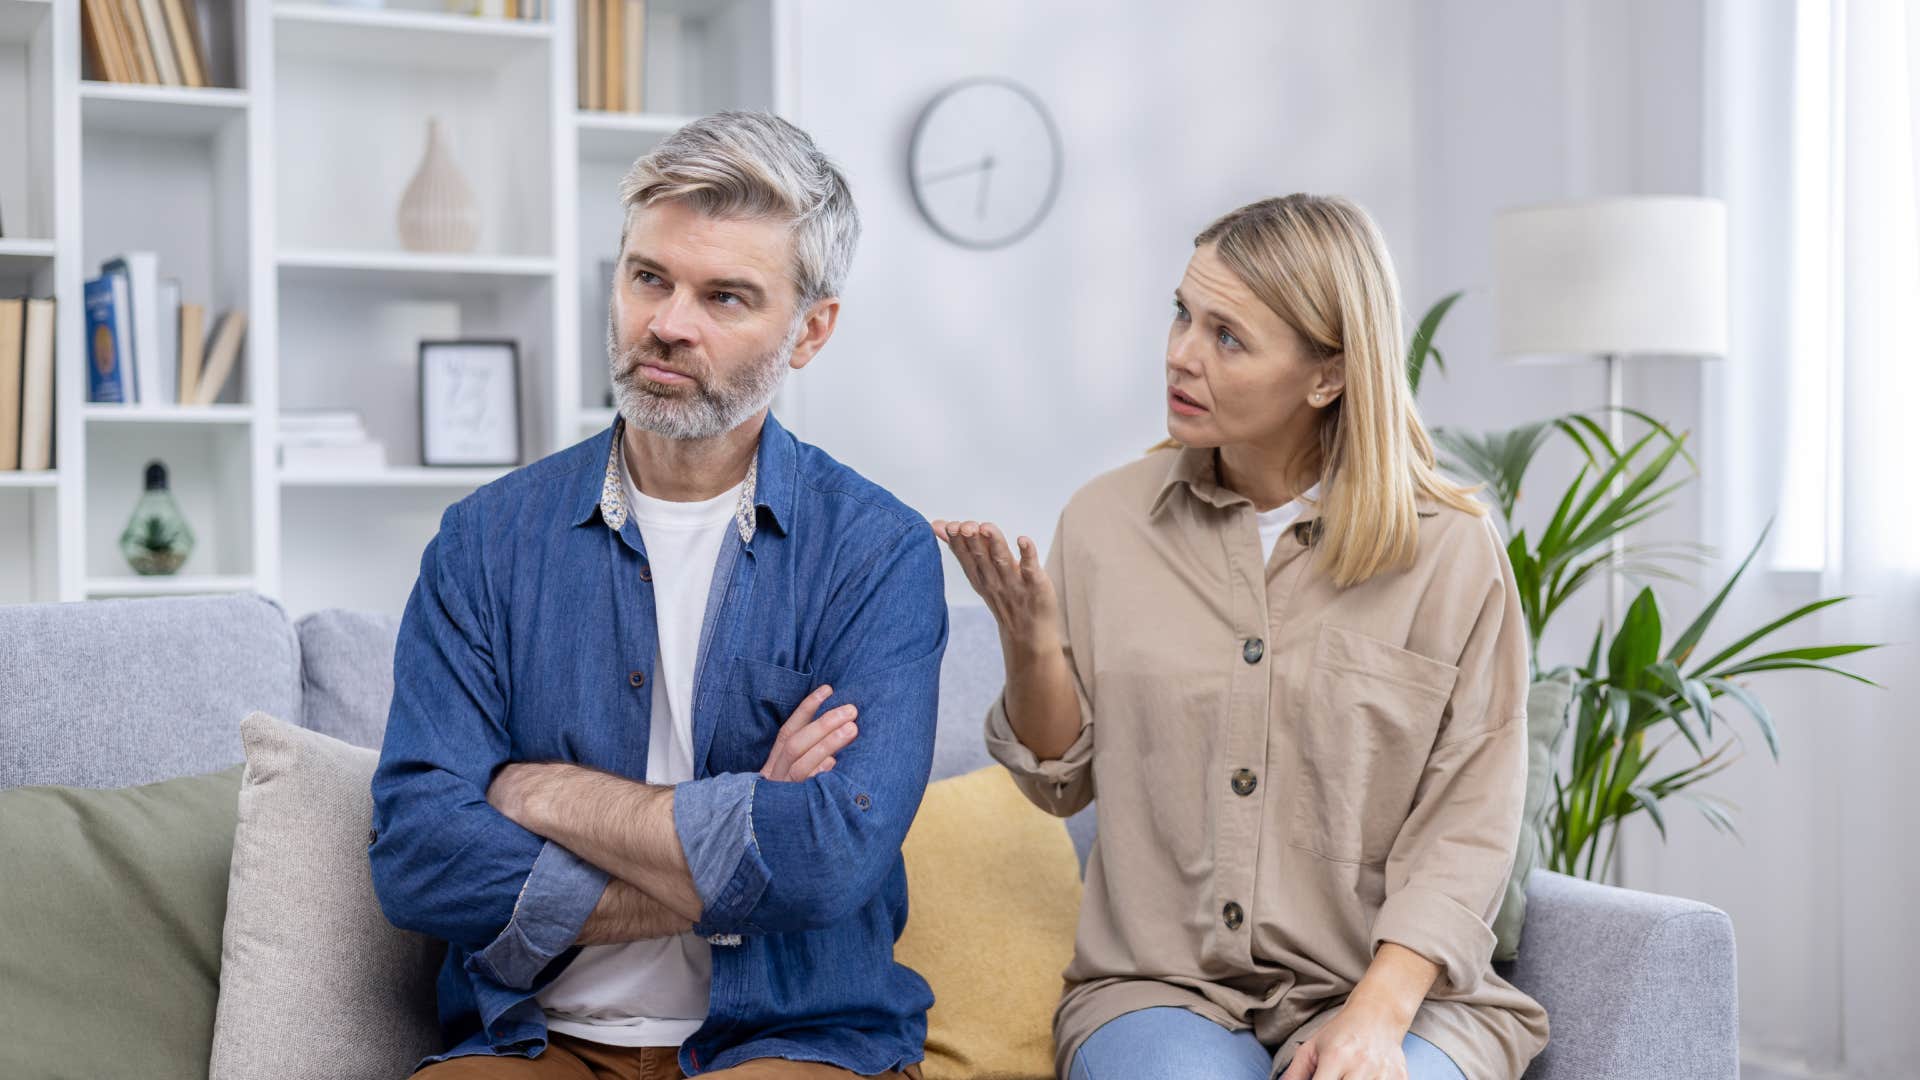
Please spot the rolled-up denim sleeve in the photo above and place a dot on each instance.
(714, 819)
(559, 893)
(445, 863)
(778, 856)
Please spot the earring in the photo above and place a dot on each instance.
(1316, 399)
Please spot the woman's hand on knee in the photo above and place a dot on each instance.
(1354, 1045)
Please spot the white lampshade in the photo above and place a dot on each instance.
(1622, 276)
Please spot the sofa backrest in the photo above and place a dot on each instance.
(112, 693)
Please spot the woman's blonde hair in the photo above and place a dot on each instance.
(1320, 264)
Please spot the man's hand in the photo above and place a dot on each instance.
(806, 744)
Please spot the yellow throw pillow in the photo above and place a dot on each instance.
(993, 888)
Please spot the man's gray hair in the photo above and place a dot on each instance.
(756, 165)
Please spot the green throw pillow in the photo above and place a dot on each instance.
(1547, 702)
(112, 902)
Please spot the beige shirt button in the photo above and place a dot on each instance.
(1232, 915)
(1244, 782)
(1253, 650)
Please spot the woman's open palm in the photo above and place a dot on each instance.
(1016, 590)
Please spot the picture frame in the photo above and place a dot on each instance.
(469, 402)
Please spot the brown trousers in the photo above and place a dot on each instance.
(568, 1058)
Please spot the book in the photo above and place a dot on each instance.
(94, 44)
(142, 272)
(13, 313)
(184, 25)
(347, 437)
(36, 389)
(634, 93)
(123, 336)
(298, 424)
(169, 335)
(368, 455)
(614, 39)
(193, 342)
(594, 21)
(103, 24)
(580, 56)
(160, 39)
(221, 357)
(107, 373)
(133, 30)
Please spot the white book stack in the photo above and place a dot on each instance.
(328, 441)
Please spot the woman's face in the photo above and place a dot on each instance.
(1236, 372)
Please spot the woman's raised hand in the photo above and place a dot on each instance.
(1017, 590)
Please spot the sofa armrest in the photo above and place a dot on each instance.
(1634, 984)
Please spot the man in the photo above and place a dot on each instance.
(664, 701)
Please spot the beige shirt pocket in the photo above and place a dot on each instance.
(1371, 713)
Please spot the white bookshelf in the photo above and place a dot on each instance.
(277, 191)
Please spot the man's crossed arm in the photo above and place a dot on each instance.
(626, 828)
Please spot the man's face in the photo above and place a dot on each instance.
(702, 325)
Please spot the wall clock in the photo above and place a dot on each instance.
(984, 163)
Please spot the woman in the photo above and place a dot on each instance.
(1292, 658)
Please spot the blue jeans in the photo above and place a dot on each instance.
(1169, 1043)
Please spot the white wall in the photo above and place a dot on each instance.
(991, 385)
(1520, 101)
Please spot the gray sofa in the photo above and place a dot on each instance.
(118, 692)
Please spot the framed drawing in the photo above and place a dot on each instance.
(469, 402)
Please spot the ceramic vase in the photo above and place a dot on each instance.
(438, 212)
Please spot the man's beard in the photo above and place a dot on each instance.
(703, 409)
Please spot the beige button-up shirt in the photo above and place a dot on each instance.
(1287, 773)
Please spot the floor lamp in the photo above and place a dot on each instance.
(1638, 276)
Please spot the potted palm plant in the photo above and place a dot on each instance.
(1651, 717)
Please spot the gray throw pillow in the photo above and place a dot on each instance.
(110, 910)
(1547, 701)
(314, 982)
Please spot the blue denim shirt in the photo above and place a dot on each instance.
(530, 636)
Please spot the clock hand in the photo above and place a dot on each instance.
(986, 174)
(956, 171)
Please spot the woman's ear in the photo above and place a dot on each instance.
(1330, 381)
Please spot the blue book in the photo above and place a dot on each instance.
(109, 377)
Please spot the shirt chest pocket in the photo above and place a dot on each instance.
(763, 695)
(1371, 713)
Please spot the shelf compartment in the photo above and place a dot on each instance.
(167, 585)
(37, 478)
(364, 127)
(209, 471)
(397, 476)
(185, 415)
(407, 271)
(417, 40)
(19, 257)
(621, 137)
(139, 109)
(21, 20)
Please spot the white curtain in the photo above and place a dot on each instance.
(1814, 420)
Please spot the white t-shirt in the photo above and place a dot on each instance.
(1275, 521)
(654, 993)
